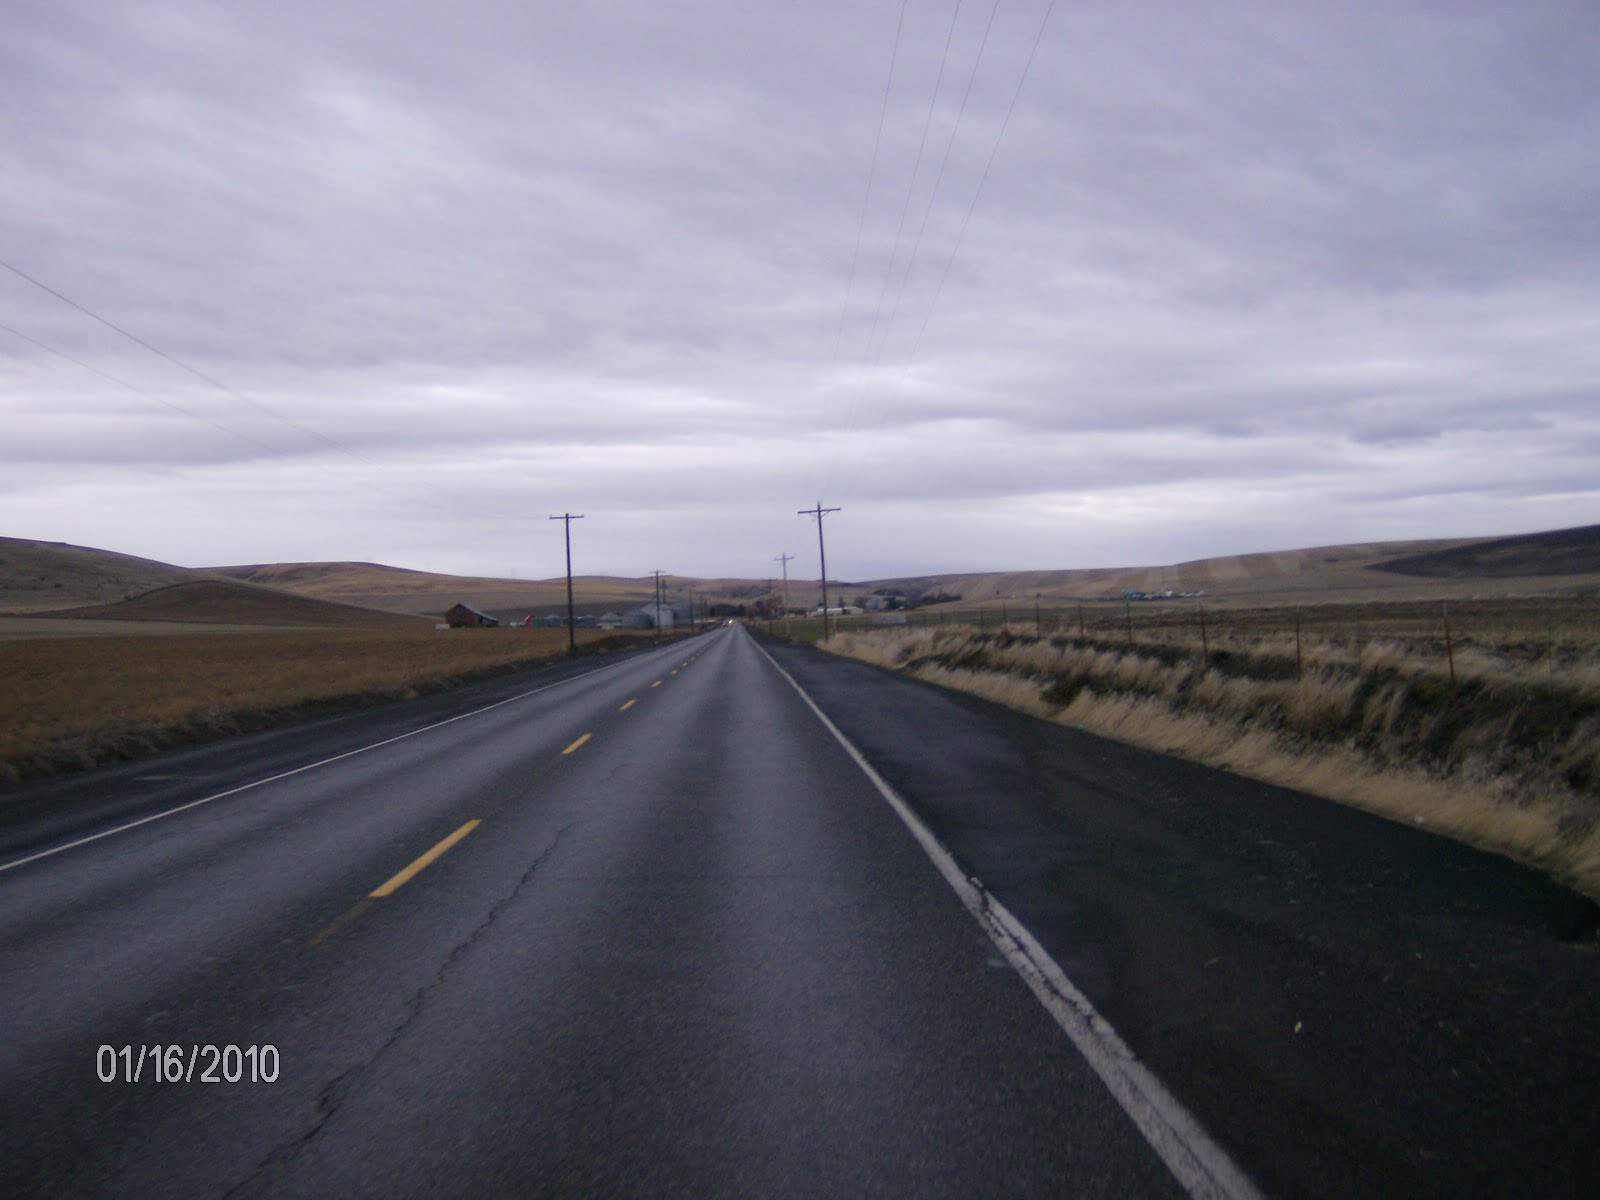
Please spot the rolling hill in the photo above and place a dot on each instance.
(1557, 552)
(228, 602)
(49, 576)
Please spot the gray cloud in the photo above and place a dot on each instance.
(1240, 277)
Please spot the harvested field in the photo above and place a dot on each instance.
(72, 703)
(1494, 739)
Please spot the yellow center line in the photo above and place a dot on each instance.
(627, 706)
(657, 683)
(577, 743)
(404, 877)
(348, 917)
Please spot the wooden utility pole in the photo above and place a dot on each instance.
(572, 633)
(659, 594)
(784, 558)
(822, 553)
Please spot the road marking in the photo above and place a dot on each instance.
(627, 706)
(657, 683)
(1200, 1166)
(348, 917)
(577, 743)
(322, 762)
(396, 882)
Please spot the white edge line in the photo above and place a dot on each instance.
(1200, 1166)
(245, 787)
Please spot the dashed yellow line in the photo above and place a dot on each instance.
(657, 683)
(627, 706)
(577, 743)
(350, 916)
(406, 876)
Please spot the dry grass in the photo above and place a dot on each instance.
(71, 703)
(1508, 760)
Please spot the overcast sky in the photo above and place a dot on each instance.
(1205, 278)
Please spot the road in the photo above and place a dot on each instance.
(687, 950)
(646, 927)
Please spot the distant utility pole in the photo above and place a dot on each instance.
(784, 558)
(660, 592)
(819, 512)
(572, 635)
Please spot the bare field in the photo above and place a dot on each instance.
(45, 626)
(78, 702)
(1490, 735)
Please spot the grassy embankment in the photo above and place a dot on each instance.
(1506, 756)
(71, 703)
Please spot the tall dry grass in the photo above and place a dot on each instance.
(70, 703)
(1507, 759)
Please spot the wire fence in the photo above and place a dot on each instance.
(1459, 636)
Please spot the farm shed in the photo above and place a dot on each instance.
(464, 616)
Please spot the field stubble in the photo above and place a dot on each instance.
(1495, 741)
(72, 703)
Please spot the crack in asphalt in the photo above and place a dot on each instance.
(337, 1090)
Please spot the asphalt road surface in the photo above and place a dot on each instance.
(644, 926)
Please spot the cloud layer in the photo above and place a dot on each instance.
(1207, 279)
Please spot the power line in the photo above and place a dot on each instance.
(866, 200)
(938, 180)
(984, 178)
(179, 363)
(911, 187)
(870, 356)
(214, 382)
(175, 407)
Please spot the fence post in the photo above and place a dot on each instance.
(1449, 650)
(1082, 636)
(1205, 643)
(1299, 663)
(1038, 626)
(1127, 606)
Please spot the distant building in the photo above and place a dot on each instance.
(464, 616)
(645, 616)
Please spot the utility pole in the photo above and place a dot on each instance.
(572, 634)
(784, 558)
(822, 553)
(659, 594)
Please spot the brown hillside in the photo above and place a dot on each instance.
(398, 589)
(1557, 552)
(223, 602)
(47, 576)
